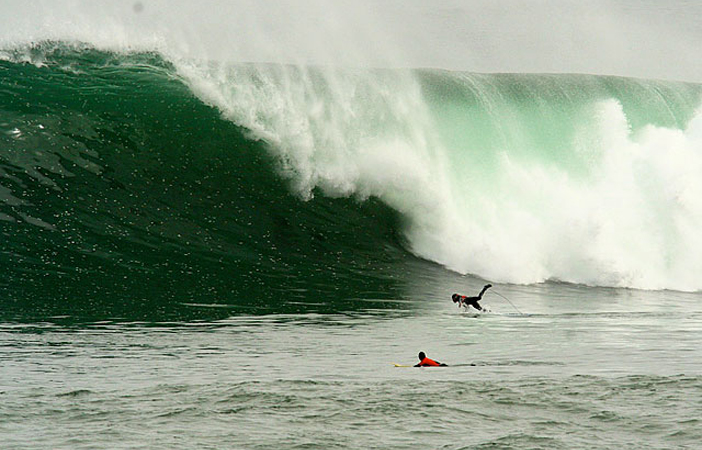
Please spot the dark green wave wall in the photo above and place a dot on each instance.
(122, 196)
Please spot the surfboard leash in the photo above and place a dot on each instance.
(508, 300)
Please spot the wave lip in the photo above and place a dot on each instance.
(514, 178)
(125, 196)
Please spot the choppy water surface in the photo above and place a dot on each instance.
(581, 368)
(211, 254)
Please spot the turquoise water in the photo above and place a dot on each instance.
(208, 255)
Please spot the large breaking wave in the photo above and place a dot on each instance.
(122, 172)
(515, 178)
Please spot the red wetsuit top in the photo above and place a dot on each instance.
(428, 362)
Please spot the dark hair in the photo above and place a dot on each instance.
(455, 297)
(422, 355)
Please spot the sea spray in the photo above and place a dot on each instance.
(518, 179)
(358, 133)
(514, 178)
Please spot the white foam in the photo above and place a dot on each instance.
(631, 221)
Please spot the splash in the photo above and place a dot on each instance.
(514, 178)
(518, 179)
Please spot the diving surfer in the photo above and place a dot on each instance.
(462, 300)
(426, 362)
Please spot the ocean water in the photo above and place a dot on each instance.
(588, 368)
(235, 255)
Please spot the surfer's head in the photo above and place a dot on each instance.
(422, 356)
(456, 298)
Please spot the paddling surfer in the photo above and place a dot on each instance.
(426, 362)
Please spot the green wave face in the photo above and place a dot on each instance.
(548, 119)
(135, 186)
(585, 179)
(123, 195)
(512, 177)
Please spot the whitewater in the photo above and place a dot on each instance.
(581, 179)
(222, 225)
(518, 179)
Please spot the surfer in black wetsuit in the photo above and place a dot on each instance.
(462, 300)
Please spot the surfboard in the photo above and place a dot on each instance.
(403, 365)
